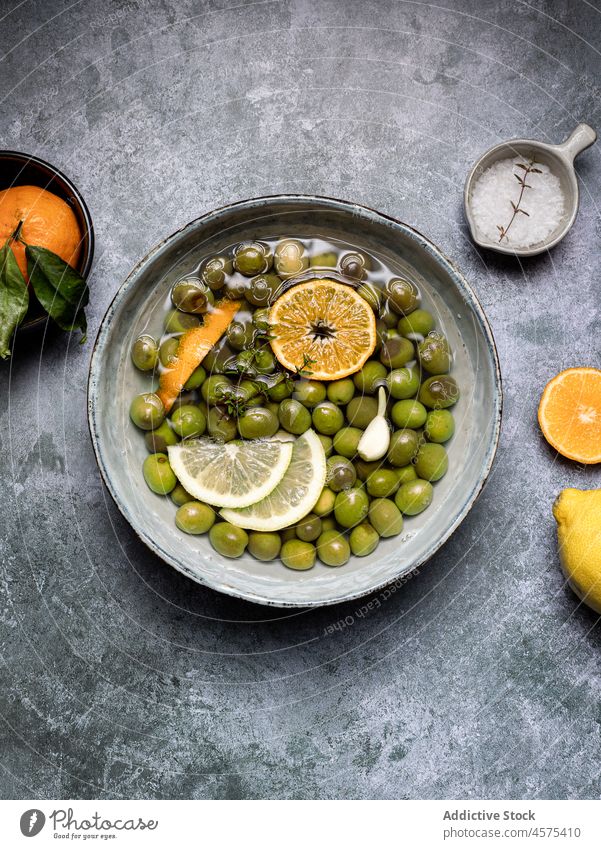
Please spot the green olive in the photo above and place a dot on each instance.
(228, 540)
(309, 392)
(263, 289)
(404, 445)
(434, 353)
(145, 353)
(221, 425)
(294, 417)
(189, 421)
(351, 508)
(385, 517)
(260, 318)
(396, 352)
(419, 323)
(372, 294)
(252, 258)
(346, 441)
(403, 383)
(236, 287)
(168, 351)
(192, 296)
(440, 426)
(325, 503)
(327, 443)
(257, 423)
(389, 317)
(439, 392)
(409, 413)
(194, 517)
(372, 375)
(333, 548)
(288, 533)
(324, 260)
(179, 322)
(361, 410)
(240, 334)
(264, 545)
(364, 468)
(402, 295)
(215, 388)
(414, 497)
(363, 540)
(146, 411)
(355, 265)
(299, 555)
(290, 258)
(264, 361)
(196, 379)
(158, 474)
(340, 474)
(406, 474)
(328, 523)
(340, 391)
(309, 528)
(382, 483)
(327, 418)
(431, 462)
(180, 496)
(280, 391)
(215, 271)
(157, 440)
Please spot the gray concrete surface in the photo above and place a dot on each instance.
(120, 678)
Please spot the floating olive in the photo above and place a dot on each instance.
(179, 322)
(252, 258)
(263, 289)
(215, 271)
(168, 351)
(145, 353)
(434, 353)
(290, 258)
(196, 379)
(372, 294)
(235, 288)
(192, 296)
(240, 335)
(324, 260)
(402, 295)
(439, 392)
(355, 265)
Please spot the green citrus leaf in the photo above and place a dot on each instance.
(59, 288)
(14, 298)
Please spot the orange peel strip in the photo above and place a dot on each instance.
(194, 345)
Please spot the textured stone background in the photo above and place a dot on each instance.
(120, 678)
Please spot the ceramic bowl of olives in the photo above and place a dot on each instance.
(295, 400)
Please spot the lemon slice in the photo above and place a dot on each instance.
(295, 494)
(234, 474)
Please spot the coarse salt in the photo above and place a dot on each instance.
(494, 192)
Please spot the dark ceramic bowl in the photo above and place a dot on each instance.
(21, 169)
(138, 307)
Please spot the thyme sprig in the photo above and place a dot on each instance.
(517, 209)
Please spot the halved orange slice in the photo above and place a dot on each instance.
(324, 328)
(569, 414)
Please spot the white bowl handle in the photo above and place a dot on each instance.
(581, 138)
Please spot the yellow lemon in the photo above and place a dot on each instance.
(578, 516)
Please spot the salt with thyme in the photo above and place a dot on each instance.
(503, 217)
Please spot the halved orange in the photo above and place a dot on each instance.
(324, 328)
(569, 414)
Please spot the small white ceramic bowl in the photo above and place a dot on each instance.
(559, 158)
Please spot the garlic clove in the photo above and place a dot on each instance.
(376, 439)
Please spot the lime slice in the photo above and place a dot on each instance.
(234, 474)
(295, 494)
